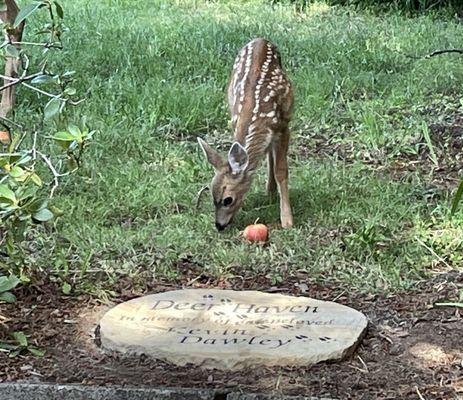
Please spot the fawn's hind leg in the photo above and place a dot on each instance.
(271, 182)
(280, 151)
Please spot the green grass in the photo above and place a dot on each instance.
(155, 73)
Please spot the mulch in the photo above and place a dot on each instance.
(412, 350)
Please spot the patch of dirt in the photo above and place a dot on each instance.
(412, 350)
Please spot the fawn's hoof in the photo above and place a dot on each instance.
(287, 223)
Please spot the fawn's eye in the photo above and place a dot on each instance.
(227, 201)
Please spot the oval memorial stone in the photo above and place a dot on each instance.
(229, 329)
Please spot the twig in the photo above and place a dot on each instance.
(46, 45)
(17, 81)
(433, 54)
(55, 173)
(432, 252)
(20, 141)
(419, 393)
(364, 365)
(34, 146)
(44, 92)
(191, 281)
(199, 195)
(6, 120)
(25, 60)
(451, 304)
(444, 51)
(339, 295)
(55, 96)
(8, 78)
(386, 338)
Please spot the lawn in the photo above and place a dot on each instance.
(374, 157)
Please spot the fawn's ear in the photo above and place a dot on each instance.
(212, 156)
(237, 158)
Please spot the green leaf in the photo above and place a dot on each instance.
(74, 130)
(27, 192)
(66, 288)
(457, 198)
(7, 297)
(70, 91)
(42, 79)
(59, 10)
(7, 193)
(52, 108)
(23, 160)
(7, 207)
(16, 172)
(3, 5)
(38, 204)
(427, 138)
(64, 136)
(36, 352)
(8, 283)
(36, 179)
(21, 338)
(26, 12)
(15, 353)
(56, 211)
(43, 215)
(68, 73)
(7, 346)
(11, 51)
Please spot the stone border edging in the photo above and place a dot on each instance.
(39, 391)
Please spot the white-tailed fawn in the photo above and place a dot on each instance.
(260, 98)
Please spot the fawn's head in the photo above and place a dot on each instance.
(230, 183)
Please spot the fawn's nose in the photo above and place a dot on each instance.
(219, 226)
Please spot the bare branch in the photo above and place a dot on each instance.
(55, 96)
(444, 51)
(17, 81)
(433, 54)
(53, 170)
(199, 196)
(4, 121)
(45, 45)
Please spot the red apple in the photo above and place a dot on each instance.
(5, 137)
(256, 233)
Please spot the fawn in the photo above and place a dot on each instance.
(260, 100)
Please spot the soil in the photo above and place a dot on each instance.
(413, 349)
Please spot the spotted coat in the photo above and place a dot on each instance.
(260, 99)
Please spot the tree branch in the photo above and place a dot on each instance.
(53, 170)
(17, 81)
(444, 51)
(46, 45)
(433, 54)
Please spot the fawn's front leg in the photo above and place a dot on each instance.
(280, 151)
